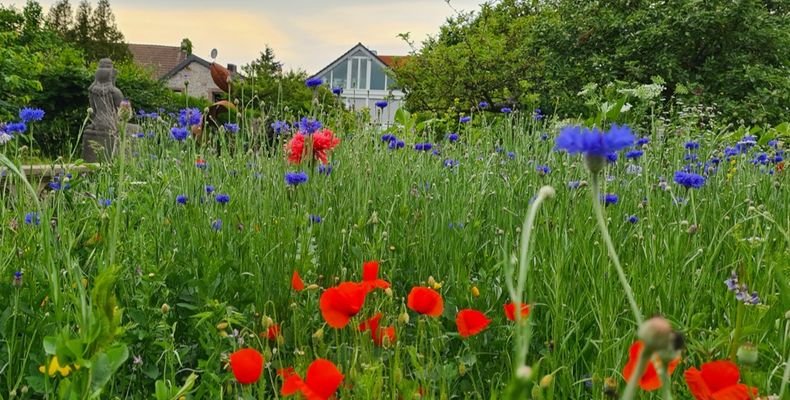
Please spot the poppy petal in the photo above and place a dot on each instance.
(471, 322)
(370, 271)
(735, 392)
(293, 383)
(338, 304)
(720, 374)
(323, 378)
(696, 384)
(296, 282)
(247, 365)
(425, 301)
(510, 311)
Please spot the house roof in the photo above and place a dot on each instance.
(386, 61)
(183, 64)
(162, 59)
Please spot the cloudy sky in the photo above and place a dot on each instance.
(305, 34)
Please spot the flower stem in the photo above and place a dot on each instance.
(641, 365)
(666, 382)
(736, 334)
(629, 293)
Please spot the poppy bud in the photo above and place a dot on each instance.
(461, 369)
(280, 340)
(431, 281)
(610, 387)
(656, 333)
(546, 381)
(165, 308)
(475, 291)
(266, 321)
(223, 334)
(222, 326)
(693, 228)
(319, 334)
(747, 354)
(403, 319)
(536, 392)
(388, 292)
(312, 286)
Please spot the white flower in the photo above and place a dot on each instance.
(5, 138)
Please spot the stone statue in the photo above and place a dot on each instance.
(100, 136)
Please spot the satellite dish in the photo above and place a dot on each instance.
(213, 53)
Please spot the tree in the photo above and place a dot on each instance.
(186, 46)
(81, 34)
(34, 17)
(265, 65)
(60, 18)
(107, 40)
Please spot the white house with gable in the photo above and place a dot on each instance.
(362, 75)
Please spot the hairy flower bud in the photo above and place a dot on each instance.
(656, 333)
(747, 354)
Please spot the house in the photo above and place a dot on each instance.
(362, 74)
(175, 67)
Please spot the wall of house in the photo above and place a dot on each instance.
(361, 99)
(199, 78)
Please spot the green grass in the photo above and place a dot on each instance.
(405, 209)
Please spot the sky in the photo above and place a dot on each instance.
(304, 34)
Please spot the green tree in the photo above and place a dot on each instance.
(265, 65)
(83, 28)
(61, 18)
(106, 39)
(186, 46)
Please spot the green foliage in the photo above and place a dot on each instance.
(540, 54)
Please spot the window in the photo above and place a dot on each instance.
(377, 77)
(339, 75)
(363, 73)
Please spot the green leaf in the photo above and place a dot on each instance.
(104, 366)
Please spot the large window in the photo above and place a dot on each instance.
(378, 78)
(339, 75)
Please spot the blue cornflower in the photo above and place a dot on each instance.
(381, 104)
(295, 178)
(324, 169)
(182, 199)
(388, 137)
(105, 202)
(537, 115)
(337, 90)
(179, 134)
(60, 182)
(453, 137)
(761, 158)
(280, 127)
(689, 180)
(465, 119)
(610, 198)
(594, 142)
(633, 219)
(730, 152)
(690, 157)
(773, 143)
(216, 224)
(544, 136)
(748, 141)
(314, 82)
(543, 169)
(511, 155)
(397, 144)
(692, 145)
(612, 158)
(28, 114)
(189, 116)
(777, 159)
(315, 219)
(423, 146)
(642, 141)
(18, 278)
(222, 198)
(715, 161)
(574, 184)
(139, 135)
(505, 110)
(634, 154)
(483, 105)
(450, 163)
(309, 126)
(436, 152)
(32, 218)
(15, 127)
(209, 189)
(231, 128)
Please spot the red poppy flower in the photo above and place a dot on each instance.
(471, 322)
(370, 276)
(296, 282)
(247, 365)
(286, 372)
(510, 311)
(338, 304)
(425, 301)
(378, 334)
(649, 380)
(718, 380)
(273, 332)
(322, 141)
(321, 383)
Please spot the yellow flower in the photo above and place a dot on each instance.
(475, 291)
(55, 367)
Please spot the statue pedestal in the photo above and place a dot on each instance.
(97, 146)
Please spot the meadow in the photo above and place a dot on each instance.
(148, 276)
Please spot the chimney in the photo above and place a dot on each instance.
(232, 68)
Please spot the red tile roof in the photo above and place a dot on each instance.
(162, 59)
(392, 61)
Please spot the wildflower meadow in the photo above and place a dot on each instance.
(509, 255)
